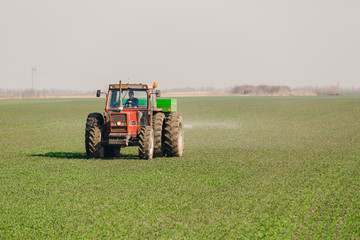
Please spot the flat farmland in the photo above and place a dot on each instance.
(253, 167)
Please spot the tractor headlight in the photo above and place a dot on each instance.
(118, 123)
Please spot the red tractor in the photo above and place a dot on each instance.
(135, 117)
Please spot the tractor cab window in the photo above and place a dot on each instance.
(129, 99)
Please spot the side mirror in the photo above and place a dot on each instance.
(158, 94)
(98, 93)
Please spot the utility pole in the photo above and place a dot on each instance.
(33, 89)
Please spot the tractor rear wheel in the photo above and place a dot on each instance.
(94, 144)
(146, 143)
(93, 119)
(158, 122)
(174, 135)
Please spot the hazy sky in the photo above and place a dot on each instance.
(88, 44)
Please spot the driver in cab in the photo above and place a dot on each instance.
(132, 102)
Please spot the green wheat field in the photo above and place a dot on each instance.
(253, 167)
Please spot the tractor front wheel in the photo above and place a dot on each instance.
(146, 143)
(94, 143)
(93, 119)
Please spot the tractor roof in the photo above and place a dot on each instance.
(132, 86)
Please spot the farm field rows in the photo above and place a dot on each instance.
(253, 167)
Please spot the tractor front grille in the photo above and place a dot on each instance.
(118, 117)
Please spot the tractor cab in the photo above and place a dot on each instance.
(132, 96)
(129, 107)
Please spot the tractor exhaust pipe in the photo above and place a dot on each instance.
(120, 102)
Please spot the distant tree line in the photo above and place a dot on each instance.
(287, 91)
(326, 90)
(260, 90)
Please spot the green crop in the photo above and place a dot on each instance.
(253, 167)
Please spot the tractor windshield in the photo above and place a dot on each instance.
(129, 99)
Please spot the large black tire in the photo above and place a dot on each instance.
(94, 145)
(146, 143)
(158, 123)
(173, 135)
(93, 119)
